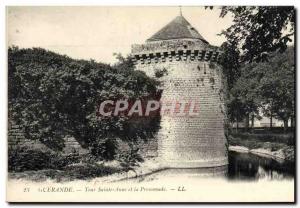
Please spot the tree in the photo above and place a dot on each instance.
(53, 96)
(123, 63)
(230, 61)
(259, 30)
(268, 85)
(244, 91)
(277, 86)
(231, 68)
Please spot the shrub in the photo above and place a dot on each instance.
(104, 148)
(129, 159)
(160, 72)
(24, 159)
(21, 159)
(85, 171)
(59, 161)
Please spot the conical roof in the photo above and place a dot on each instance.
(178, 28)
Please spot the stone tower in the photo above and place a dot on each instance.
(188, 70)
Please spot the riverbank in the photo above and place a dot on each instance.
(278, 148)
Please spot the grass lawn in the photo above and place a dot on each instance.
(272, 142)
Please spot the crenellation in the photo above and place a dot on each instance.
(182, 49)
(192, 57)
(170, 56)
(177, 55)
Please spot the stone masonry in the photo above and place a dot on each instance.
(16, 138)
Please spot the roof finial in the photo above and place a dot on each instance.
(180, 11)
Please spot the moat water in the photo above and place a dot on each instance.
(242, 166)
(252, 167)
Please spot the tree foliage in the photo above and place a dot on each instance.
(259, 30)
(258, 71)
(230, 61)
(53, 96)
(277, 85)
(269, 86)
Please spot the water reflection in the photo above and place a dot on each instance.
(252, 167)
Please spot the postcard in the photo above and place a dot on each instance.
(164, 104)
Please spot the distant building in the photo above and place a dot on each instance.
(263, 122)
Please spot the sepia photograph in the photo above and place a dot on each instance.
(160, 104)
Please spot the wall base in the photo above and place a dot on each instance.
(194, 163)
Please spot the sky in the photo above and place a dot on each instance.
(99, 32)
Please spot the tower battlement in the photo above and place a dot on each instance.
(174, 50)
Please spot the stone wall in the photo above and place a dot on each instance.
(16, 139)
(197, 141)
(16, 136)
